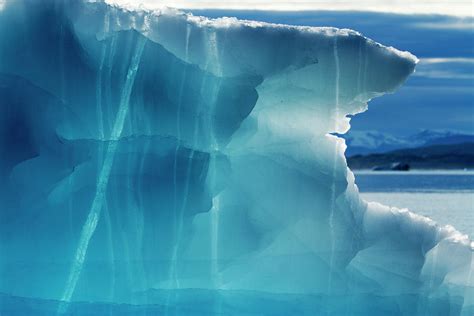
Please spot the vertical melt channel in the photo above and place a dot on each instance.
(92, 219)
(100, 127)
(178, 121)
(62, 92)
(359, 68)
(110, 56)
(108, 79)
(215, 211)
(98, 89)
(333, 184)
(179, 211)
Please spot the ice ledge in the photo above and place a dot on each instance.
(155, 23)
(226, 22)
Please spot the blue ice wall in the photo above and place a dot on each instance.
(162, 163)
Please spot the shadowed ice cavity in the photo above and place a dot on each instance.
(147, 154)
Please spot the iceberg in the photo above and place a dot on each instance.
(156, 162)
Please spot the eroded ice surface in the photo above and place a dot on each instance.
(165, 163)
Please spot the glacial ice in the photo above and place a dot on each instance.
(158, 162)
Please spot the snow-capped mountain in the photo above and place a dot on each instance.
(440, 137)
(370, 142)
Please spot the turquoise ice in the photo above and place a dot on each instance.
(163, 163)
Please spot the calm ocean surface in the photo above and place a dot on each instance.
(445, 196)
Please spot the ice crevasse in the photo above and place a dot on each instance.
(159, 162)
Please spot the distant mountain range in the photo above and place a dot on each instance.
(372, 142)
(445, 156)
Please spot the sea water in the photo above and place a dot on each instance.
(445, 196)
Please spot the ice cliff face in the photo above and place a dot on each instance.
(185, 166)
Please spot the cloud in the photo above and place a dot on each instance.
(446, 68)
(454, 60)
(461, 24)
(455, 7)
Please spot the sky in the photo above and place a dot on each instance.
(453, 7)
(439, 96)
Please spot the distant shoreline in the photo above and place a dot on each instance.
(438, 157)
